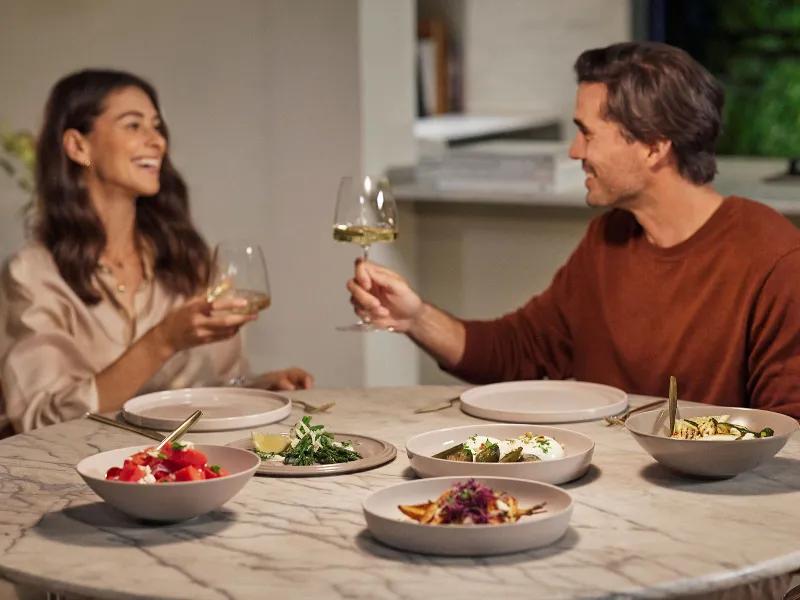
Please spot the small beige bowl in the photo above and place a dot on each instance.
(175, 501)
(712, 459)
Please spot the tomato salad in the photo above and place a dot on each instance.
(179, 462)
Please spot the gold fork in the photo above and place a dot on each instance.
(311, 409)
(621, 420)
(438, 405)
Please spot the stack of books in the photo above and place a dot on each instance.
(503, 166)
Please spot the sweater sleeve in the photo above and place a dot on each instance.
(45, 377)
(774, 341)
(534, 341)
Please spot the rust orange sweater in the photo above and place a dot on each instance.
(720, 311)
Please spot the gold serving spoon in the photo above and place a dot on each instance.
(105, 420)
(672, 407)
(180, 430)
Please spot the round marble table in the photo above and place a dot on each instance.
(637, 531)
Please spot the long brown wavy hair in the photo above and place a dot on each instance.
(67, 223)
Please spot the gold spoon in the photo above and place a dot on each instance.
(180, 430)
(125, 426)
(673, 403)
(620, 420)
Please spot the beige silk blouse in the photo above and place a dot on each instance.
(52, 344)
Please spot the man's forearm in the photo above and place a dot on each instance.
(440, 335)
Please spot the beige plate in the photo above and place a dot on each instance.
(223, 408)
(543, 401)
(375, 452)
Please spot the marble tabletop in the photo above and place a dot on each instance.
(636, 531)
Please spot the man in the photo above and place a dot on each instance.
(673, 279)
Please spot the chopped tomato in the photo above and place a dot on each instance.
(213, 473)
(113, 473)
(131, 472)
(188, 457)
(171, 464)
(142, 458)
(161, 474)
(189, 473)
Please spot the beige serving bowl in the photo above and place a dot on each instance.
(712, 458)
(578, 450)
(174, 501)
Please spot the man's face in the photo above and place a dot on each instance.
(616, 169)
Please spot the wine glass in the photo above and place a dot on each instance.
(366, 213)
(240, 271)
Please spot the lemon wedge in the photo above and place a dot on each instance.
(270, 442)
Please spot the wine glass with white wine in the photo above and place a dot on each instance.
(240, 271)
(366, 213)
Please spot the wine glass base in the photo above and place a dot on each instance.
(364, 328)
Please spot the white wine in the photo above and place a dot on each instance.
(256, 301)
(363, 235)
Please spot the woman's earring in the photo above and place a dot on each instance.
(87, 163)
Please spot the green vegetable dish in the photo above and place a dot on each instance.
(305, 445)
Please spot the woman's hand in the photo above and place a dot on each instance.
(293, 378)
(193, 324)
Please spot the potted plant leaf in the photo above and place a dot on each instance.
(17, 159)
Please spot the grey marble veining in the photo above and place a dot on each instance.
(637, 531)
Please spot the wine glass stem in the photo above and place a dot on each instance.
(365, 320)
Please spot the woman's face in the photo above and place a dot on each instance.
(126, 146)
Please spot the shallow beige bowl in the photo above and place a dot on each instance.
(175, 501)
(391, 527)
(712, 459)
(578, 448)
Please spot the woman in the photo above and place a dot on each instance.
(108, 301)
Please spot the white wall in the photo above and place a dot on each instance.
(483, 261)
(519, 53)
(262, 98)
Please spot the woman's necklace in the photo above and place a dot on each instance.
(115, 272)
(118, 266)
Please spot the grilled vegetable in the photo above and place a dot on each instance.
(490, 454)
(685, 430)
(457, 453)
(715, 427)
(514, 456)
